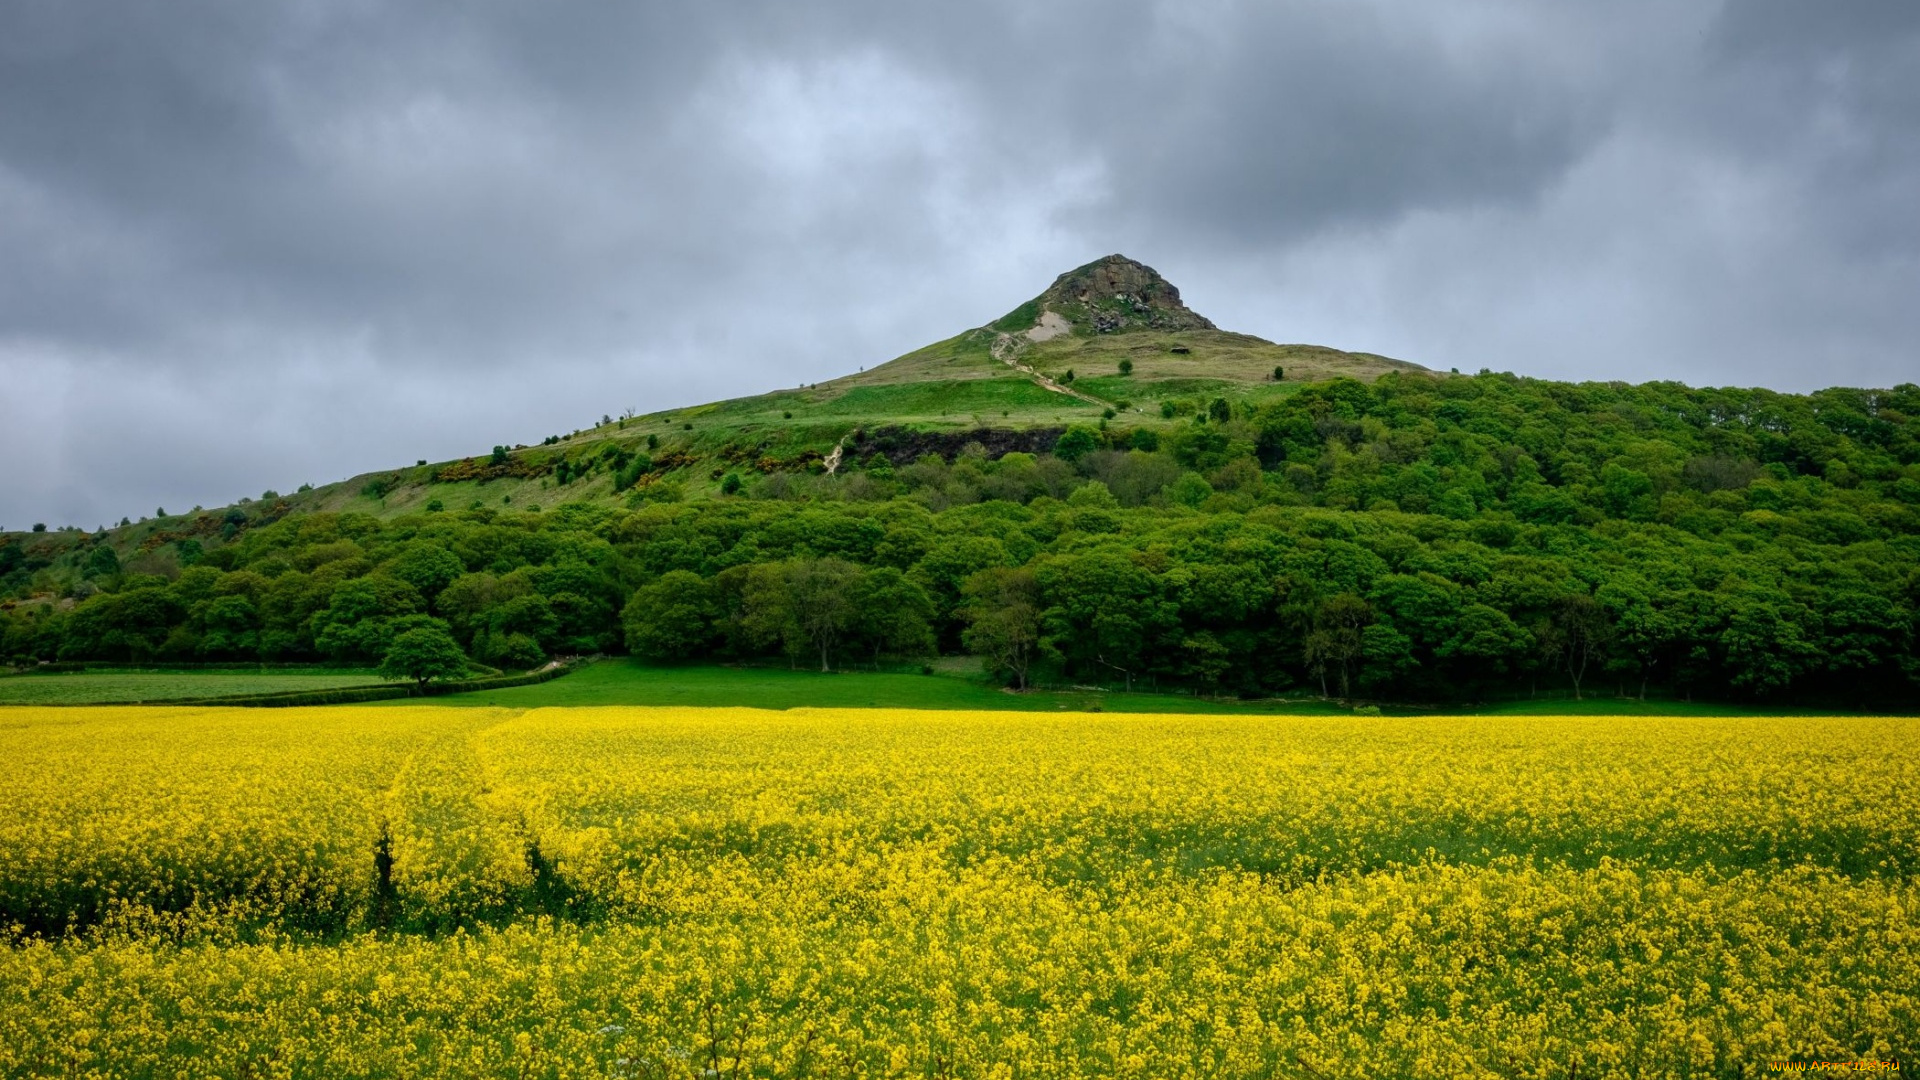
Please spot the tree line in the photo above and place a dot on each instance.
(1419, 539)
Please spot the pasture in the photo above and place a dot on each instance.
(626, 681)
(103, 687)
(955, 683)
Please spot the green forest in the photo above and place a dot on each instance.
(1422, 538)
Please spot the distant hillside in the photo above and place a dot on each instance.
(1097, 488)
(1111, 337)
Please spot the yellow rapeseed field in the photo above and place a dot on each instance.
(349, 892)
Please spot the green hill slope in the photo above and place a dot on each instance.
(1112, 336)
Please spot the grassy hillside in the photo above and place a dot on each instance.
(1012, 374)
(1156, 355)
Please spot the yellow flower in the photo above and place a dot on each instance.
(381, 891)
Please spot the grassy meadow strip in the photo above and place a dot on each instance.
(957, 683)
(87, 688)
(679, 893)
(627, 681)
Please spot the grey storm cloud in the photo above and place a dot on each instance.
(246, 246)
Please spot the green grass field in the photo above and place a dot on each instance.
(630, 682)
(96, 687)
(624, 681)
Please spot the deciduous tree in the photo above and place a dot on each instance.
(423, 654)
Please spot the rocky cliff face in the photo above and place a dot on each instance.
(1117, 294)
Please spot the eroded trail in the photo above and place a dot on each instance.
(1006, 349)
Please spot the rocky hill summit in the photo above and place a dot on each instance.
(1107, 296)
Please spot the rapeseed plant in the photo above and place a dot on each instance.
(700, 893)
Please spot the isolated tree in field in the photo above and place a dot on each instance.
(1126, 367)
(1002, 613)
(424, 654)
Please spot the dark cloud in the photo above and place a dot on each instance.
(255, 245)
(1310, 119)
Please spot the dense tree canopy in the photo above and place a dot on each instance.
(1419, 539)
(423, 654)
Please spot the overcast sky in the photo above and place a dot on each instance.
(249, 245)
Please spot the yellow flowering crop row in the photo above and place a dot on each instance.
(457, 845)
(113, 814)
(699, 893)
(617, 793)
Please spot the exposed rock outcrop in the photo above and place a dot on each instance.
(1116, 294)
(903, 446)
